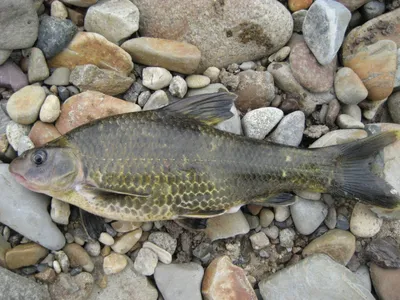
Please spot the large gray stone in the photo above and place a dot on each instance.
(17, 287)
(19, 24)
(315, 277)
(12, 77)
(259, 122)
(225, 31)
(290, 130)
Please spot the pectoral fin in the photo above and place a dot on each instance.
(283, 199)
(203, 214)
(94, 225)
(192, 224)
(90, 189)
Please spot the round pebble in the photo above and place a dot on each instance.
(349, 88)
(212, 73)
(125, 242)
(266, 217)
(57, 267)
(308, 215)
(286, 237)
(272, 232)
(60, 76)
(178, 87)
(106, 239)
(145, 262)
(282, 213)
(156, 78)
(93, 248)
(259, 240)
(58, 10)
(163, 240)
(50, 110)
(197, 81)
(364, 223)
(352, 110)
(114, 263)
(259, 122)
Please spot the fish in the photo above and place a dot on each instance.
(173, 164)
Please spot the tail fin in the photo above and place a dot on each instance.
(353, 176)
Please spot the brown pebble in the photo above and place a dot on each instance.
(46, 276)
(333, 112)
(25, 255)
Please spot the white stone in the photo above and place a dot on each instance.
(178, 87)
(146, 262)
(163, 255)
(15, 132)
(259, 122)
(114, 263)
(125, 226)
(348, 122)
(259, 240)
(58, 10)
(125, 242)
(93, 248)
(60, 211)
(197, 81)
(156, 78)
(282, 213)
(157, 100)
(212, 73)
(106, 239)
(308, 195)
(307, 215)
(25, 144)
(37, 68)
(232, 125)
(50, 110)
(364, 223)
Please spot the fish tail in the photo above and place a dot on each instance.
(353, 177)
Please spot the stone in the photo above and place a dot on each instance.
(24, 105)
(379, 59)
(93, 248)
(232, 125)
(248, 65)
(397, 80)
(352, 5)
(125, 226)
(26, 213)
(316, 131)
(60, 76)
(364, 223)
(12, 77)
(67, 287)
(15, 132)
(212, 73)
(92, 48)
(197, 81)
(92, 78)
(169, 54)
(157, 100)
(324, 28)
(25, 255)
(19, 23)
(281, 55)
(253, 221)
(46, 276)
(307, 70)
(116, 20)
(163, 240)
(54, 35)
(394, 106)
(256, 89)
(384, 252)
(372, 10)
(282, 213)
(386, 282)
(163, 255)
(266, 217)
(227, 225)
(58, 10)
(60, 211)
(286, 237)
(4, 247)
(259, 240)
(223, 280)
(125, 242)
(295, 5)
(4, 55)
(114, 263)
(348, 122)
(14, 286)
(37, 69)
(352, 110)
(308, 195)
(337, 137)
(225, 33)
(63, 260)
(363, 276)
(331, 218)
(144, 97)
(307, 215)
(179, 281)
(145, 262)
(212, 88)
(90, 105)
(50, 110)
(42, 133)
(178, 87)
(106, 239)
(25, 144)
(298, 20)
(272, 232)
(259, 122)
(372, 108)
(316, 277)
(80, 3)
(156, 78)
(78, 257)
(349, 88)
(134, 91)
(290, 130)
(229, 80)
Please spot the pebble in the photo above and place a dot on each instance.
(298, 20)
(272, 232)
(68, 287)
(92, 48)
(384, 252)
(364, 223)
(114, 263)
(24, 105)
(362, 274)
(352, 110)
(24, 255)
(78, 257)
(26, 212)
(380, 59)
(372, 10)
(57, 267)
(163, 240)
(48, 260)
(371, 108)
(290, 130)
(42, 133)
(349, 88)
(60, 76)
(295, 5)
(90, 105)
(156, 78)
(397, 80)
(19, 22)
(12, 77)
(227, 225)
(348, 122)
(266, 217)
(394, 107)
(308, 72)
(259, 122)
(197, 81)
(247, 65)
(125, 242)
(50, 110)
(163, 255)
(4, 247)
(337, 137)
(179, 281)
(125, 226)
(178, 87)
(212, 73)
(134, 91)
(281, 55)
(386, 282)
(93, 248)
(255, 89)
(309, 275)
(4, 55)
(58, 10)
(259, 240)
(281, 213)
(342, 222)
(37, 69)
(54, 35)
(229, 80)
(145, 262)
(330, 220)
(46, 276)
(308, 195)
(63, 260)
(157, 100)
(286, 237)
(80, 3)
(60, 211)
(232, 125)
(308, 215)
(143, 98)
(324, 28)
(25, 144)
(332, 113)
(63, 93)
(116, 20)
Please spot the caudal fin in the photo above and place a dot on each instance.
(353, 176)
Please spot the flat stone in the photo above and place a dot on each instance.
(364, 223)
(256, 89)
(60, 76)
(315, 277)
(259, 122)
(348, 122)
(92, 48)
(308, 195)
(12, 77)
(125, 242)
(42, 133)
(225, 33)
(163, 255)
(92, 78)
(25, 255)
(26, 213)
(212, 88)
(19, 23)
(54, 35)
(145, 262)
(179, 281)
(384, 252)
(349, 88)
(163, 240)
(90, 105)
(67, 287)
(307, 215)
(386, 282)
(178, 87)
(157, 100)
(227, 225)
(114, 263)
(116, 20)
(14, 286)
(394, 106)
(78, 257)
(60, 211)
(324, 28)
(223, 280)
(379, 59)
(197, 81)
(37, 68)
(337, 137)
(290, 129)
(156, 78)
(308, 72)
(15, 132)
(169, 54)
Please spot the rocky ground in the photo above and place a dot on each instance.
(306, 74)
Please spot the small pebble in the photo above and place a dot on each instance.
(114, 263)
(93, 248)
(279, 56)
(197, 81)
(253, 221)
(50, 110)
(58, 10)
(157, 100)
(163, 255)
(352, 110)
(125, 242)
(259, 240)
(60, 76)
(106, 239)
(145, 262)
(163, 240)
(286, 237)
(25, 143)
(282, 213)
(178, 87)
(63, 260)
(212, 73)
(266, 217)
(364, 223)
(60, 211)
(125, 226)
(147, 226)
(348, 122)
(37, 68)
(75, 271)
(248, 65)
(111, 231)
(342, 222)
(156, 78)
(63, 93)
(57, 267)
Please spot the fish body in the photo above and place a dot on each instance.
(158, 165)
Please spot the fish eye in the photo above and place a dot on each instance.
(39, 157)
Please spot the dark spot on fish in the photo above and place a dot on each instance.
(127, 210)
(146, 209)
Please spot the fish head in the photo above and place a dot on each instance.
(47, 170)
